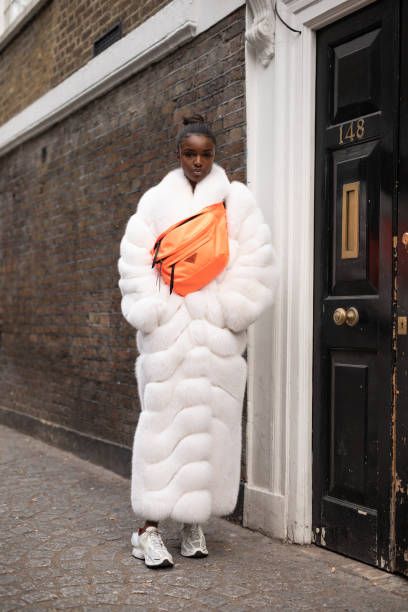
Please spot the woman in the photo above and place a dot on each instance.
(190, 370)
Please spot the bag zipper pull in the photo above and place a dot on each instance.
(172, 277)
(157, 247)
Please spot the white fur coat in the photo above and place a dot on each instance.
(190, 370)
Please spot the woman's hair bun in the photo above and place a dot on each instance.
(194, 124)
(196, 118)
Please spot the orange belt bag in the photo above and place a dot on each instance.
(193, 251)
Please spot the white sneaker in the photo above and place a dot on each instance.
(193, 541)
(150, 547)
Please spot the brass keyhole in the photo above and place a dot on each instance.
(350, 316)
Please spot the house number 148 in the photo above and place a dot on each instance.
(352, 130)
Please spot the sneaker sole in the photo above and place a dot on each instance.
(163, 564)
(198, 554)
(138, 554)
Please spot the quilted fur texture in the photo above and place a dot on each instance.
(190, 370)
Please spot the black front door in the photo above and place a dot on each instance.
(355, 256)
(401, 417)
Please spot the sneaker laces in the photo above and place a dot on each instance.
(195, 531)
(157, 543)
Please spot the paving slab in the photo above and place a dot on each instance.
(65, 544)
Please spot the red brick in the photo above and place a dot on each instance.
(57, 42)
(67, 354)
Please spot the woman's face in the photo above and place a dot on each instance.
(196, 154)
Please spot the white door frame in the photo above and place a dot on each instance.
(280, 124)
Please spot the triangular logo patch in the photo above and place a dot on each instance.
(192, 258)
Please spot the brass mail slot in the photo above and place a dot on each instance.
(350, 220)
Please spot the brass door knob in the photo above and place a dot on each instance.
(339, 316)
(352, 316)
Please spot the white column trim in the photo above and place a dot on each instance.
(280, 133)
(172, 26)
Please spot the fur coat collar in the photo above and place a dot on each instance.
(175, 198)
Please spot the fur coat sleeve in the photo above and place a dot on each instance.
(143, 301)
(247, 286)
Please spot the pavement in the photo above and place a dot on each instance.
(65, 544)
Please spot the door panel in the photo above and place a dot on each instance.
(348, 445)
(356, 164)
(357, 83)
(355, 272)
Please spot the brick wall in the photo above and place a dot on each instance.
(66, 353)
(58, 41)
